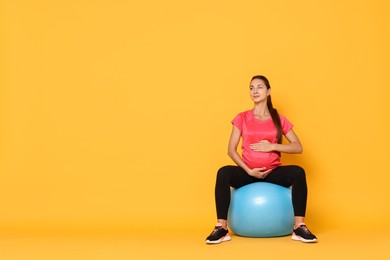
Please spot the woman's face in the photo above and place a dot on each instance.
(258, 91)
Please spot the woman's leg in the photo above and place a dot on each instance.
(292, 175)
(228, 176)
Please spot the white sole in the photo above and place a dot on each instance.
(298, 238)
(223, 239)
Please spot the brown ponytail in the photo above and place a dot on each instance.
(275, 118)
(273, 112)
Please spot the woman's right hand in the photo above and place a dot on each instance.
(260, 173)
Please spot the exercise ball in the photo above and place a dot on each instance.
(261, 210)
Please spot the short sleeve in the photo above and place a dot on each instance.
(286, 125)
(238, 121)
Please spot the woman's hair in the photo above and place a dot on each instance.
(273, 112)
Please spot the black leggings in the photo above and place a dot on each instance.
(236, 177)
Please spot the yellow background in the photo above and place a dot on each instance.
(115, 115)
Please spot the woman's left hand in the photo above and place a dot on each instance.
(262, 146)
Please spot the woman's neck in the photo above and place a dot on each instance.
(260, 110)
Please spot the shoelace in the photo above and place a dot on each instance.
(216, 230)
(304, 228)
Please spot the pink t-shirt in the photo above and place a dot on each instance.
(253, 131)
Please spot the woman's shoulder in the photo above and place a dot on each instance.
(245, 114)
(282, 117)
(284, 120)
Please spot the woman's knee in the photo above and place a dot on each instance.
(223, 174)
(299, 172)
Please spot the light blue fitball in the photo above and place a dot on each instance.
(261, 210)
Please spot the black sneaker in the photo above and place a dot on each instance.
(302, 233)
(218, 235)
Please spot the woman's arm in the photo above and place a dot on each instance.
(232, 148)
(294, 145)
(233, 154)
